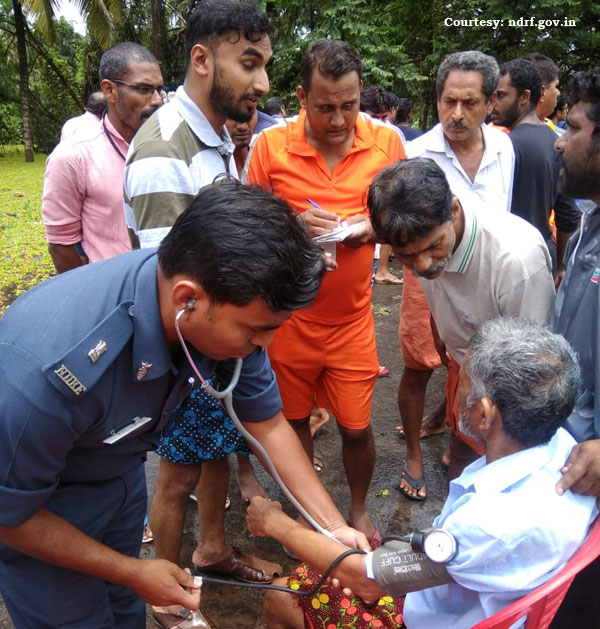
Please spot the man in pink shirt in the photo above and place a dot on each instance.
(82, 200)
(75, 128)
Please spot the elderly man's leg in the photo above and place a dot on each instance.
(411, 401)
(211, 491)
(358, 453)
(282, 610)
(212, 552)
(246, 479)
(173, 486)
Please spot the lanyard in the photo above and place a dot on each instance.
(109, 136)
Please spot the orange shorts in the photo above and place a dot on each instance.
(452, 407)
(414, 331)
(335, 364)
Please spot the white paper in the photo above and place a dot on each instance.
(339, 233)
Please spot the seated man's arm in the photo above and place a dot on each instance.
(282, 445)
(62, 202)
(52, 539)
(397, 568)
(266, 519)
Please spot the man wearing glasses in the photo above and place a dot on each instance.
(83, 186)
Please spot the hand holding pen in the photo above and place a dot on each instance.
(319, 221)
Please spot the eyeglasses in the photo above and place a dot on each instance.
(143, 88)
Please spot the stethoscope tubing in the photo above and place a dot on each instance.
(226, 399)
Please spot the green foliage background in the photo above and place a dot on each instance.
(401, 43)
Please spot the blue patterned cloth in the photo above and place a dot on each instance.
(200, 430)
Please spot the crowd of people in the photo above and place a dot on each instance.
(201, 242)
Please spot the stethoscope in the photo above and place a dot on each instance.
(226, 399)
(438, 545)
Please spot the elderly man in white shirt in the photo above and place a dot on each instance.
(513, 530)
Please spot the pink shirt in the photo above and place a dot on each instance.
(83, 194)
(80, 127)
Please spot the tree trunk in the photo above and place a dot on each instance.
(157, 29)
(23, 79)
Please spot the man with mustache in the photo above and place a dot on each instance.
(478, 162)
(473, 264)
(83, 186)
(244, 134)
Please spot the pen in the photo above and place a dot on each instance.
(315, 205)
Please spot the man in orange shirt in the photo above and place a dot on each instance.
(322, 162)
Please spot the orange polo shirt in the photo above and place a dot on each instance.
(284, 163)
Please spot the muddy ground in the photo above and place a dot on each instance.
(240, 608)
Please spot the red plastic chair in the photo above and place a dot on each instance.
(541, 605)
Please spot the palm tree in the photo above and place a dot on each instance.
(100, 16)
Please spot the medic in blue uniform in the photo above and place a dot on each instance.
(91, 371)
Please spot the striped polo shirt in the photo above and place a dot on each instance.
(173, 155)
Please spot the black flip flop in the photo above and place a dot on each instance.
(415, 483)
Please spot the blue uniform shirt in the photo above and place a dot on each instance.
(83, 360)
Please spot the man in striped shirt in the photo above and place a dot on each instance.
(179, 152)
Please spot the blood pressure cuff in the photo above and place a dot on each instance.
(398, 569)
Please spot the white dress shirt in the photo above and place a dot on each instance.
(514, 533)
(494, 178)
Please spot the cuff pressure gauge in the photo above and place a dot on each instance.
(438, 545)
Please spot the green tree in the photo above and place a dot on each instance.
(402, 42)
(100, 16)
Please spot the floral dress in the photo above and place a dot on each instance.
(330, 608)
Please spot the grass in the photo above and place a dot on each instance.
(24, 257)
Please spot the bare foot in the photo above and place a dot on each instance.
(318, 418)
(415, 470)
(362, 522)
(387, 278)
(317, 464)
(247, 481)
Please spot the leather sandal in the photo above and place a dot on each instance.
(183, 619)
(247, 568)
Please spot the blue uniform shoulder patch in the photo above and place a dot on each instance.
(78, 370)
